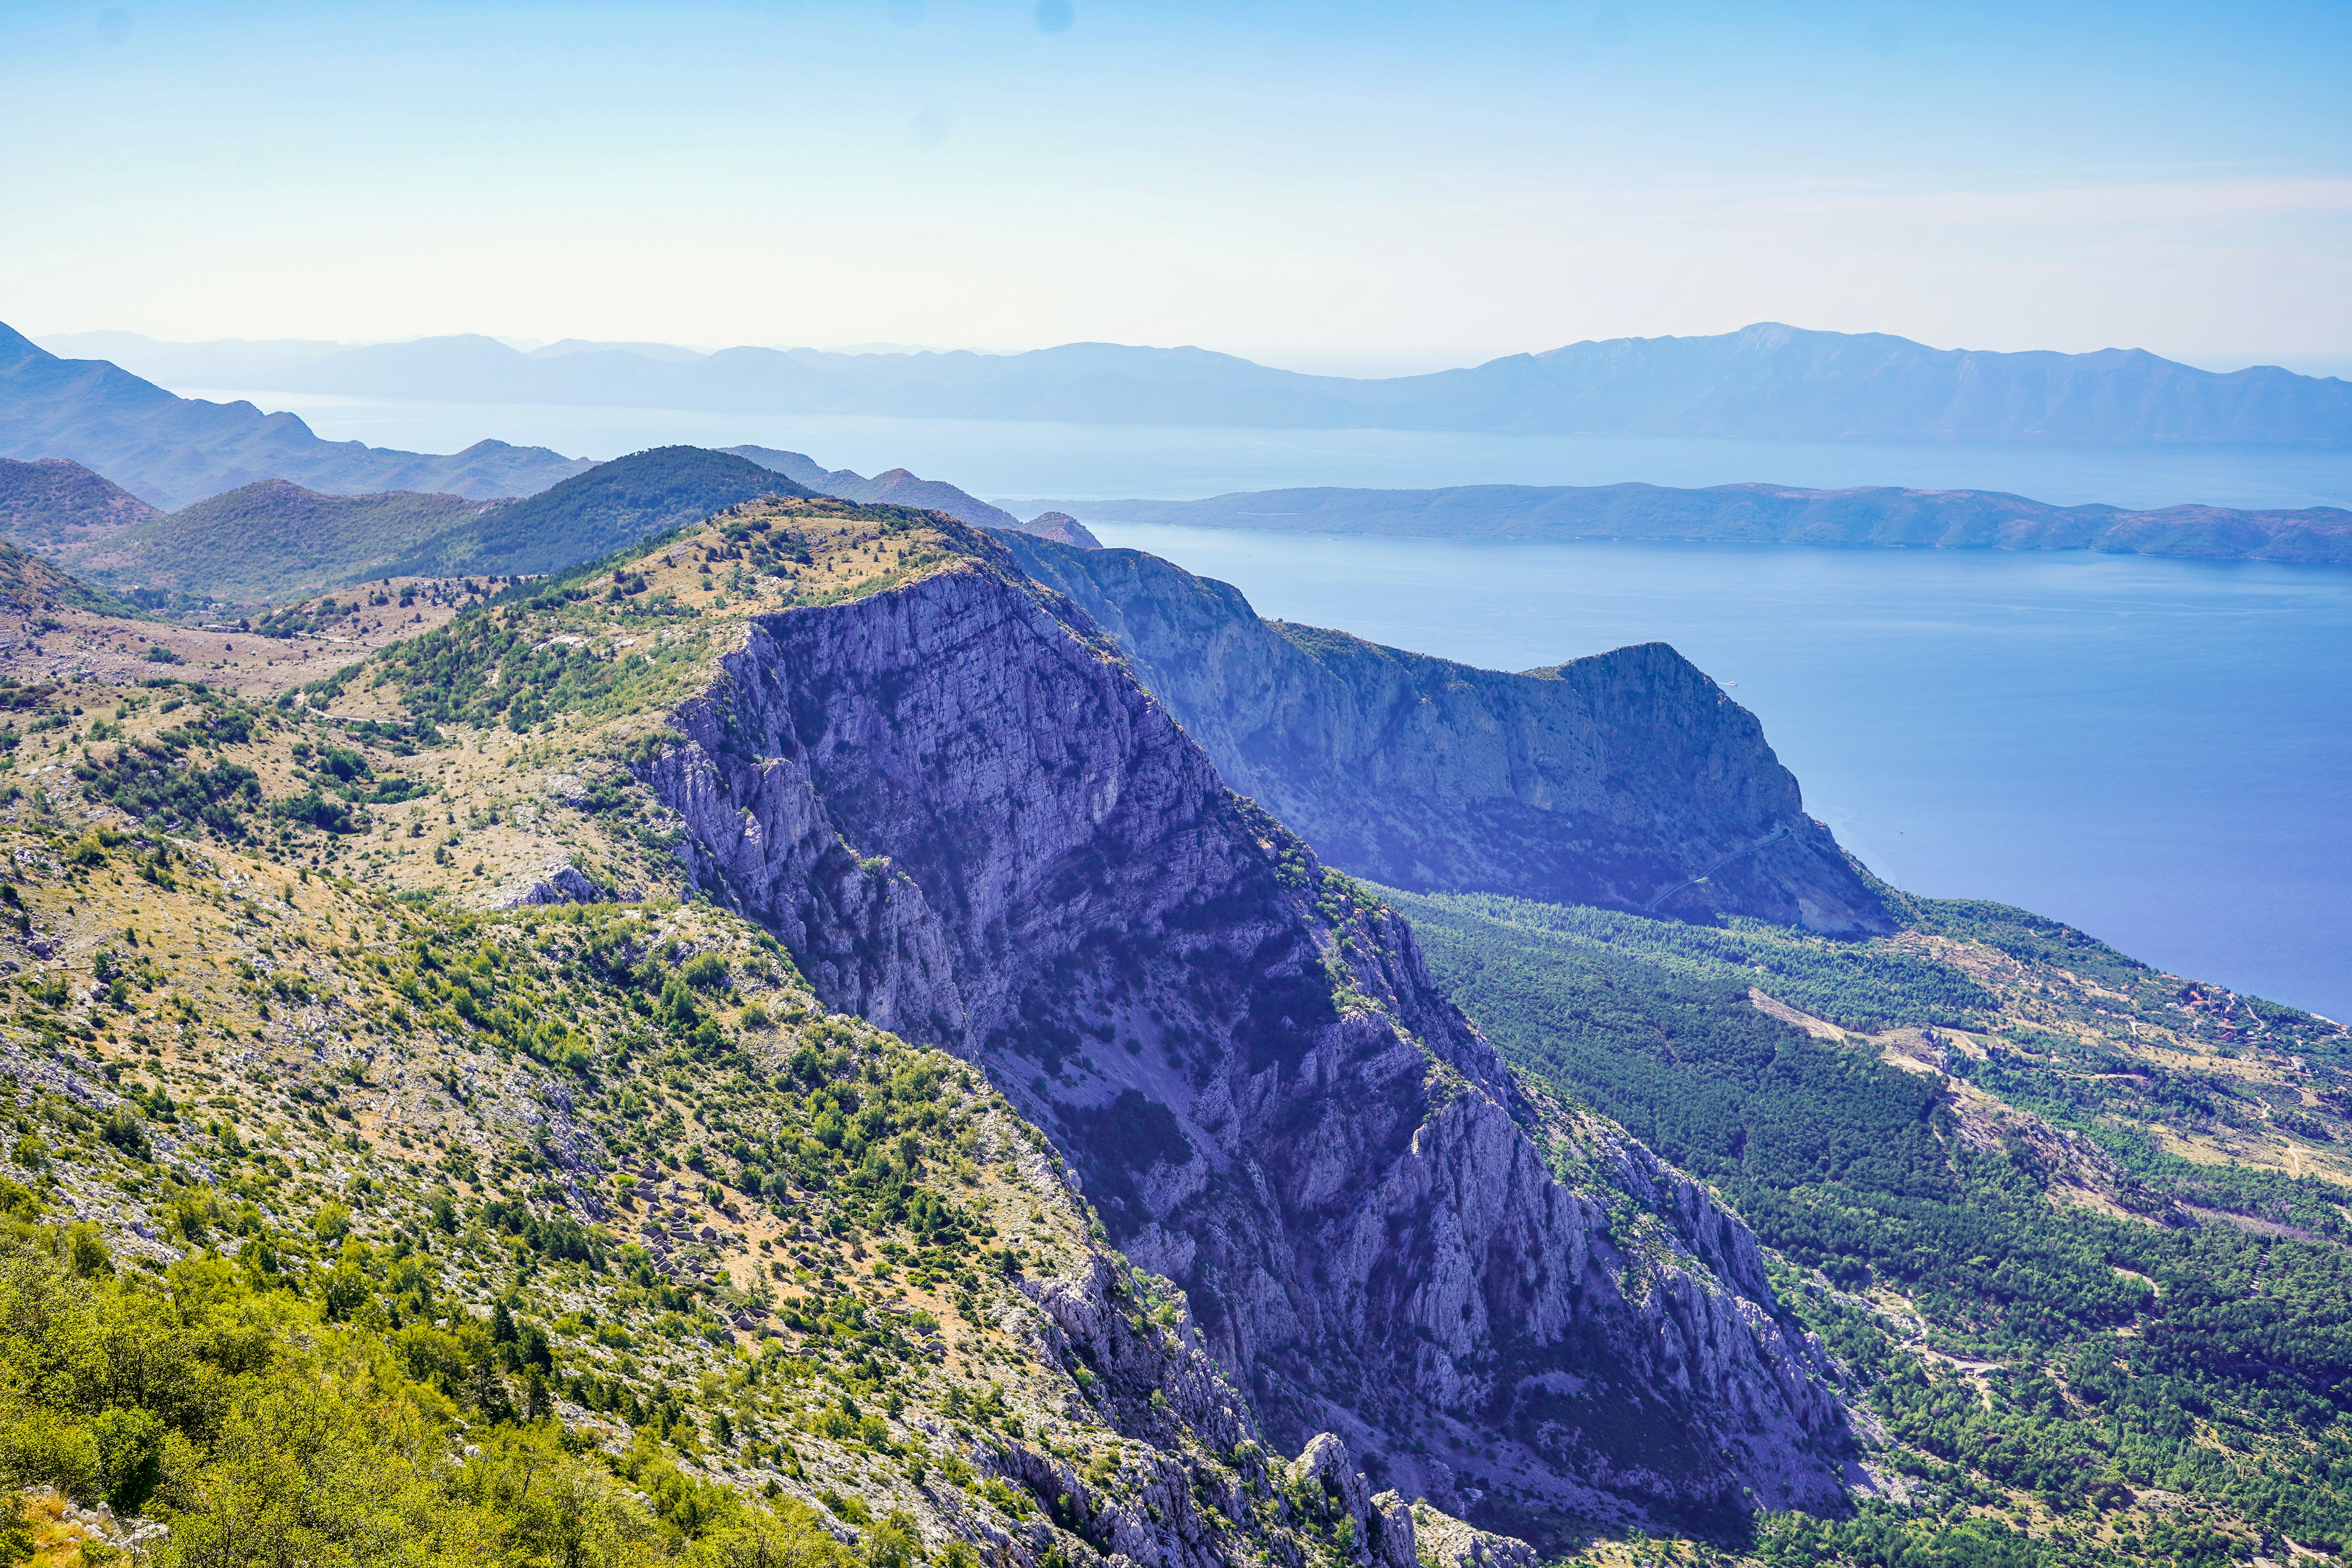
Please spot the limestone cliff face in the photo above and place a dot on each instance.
(1628, 779)
(969, 824)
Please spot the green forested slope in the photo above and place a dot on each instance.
(268, 540)
(609, 507)
(2052, 1314)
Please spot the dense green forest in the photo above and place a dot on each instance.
(2160, 1389)
(275, 1425)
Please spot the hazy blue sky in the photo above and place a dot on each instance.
(1322, 184)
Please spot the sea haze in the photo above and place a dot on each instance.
(2159, 752)
(1030, 465)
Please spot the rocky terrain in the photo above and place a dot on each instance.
(1230, 1183)
(306, 1014)
(1628, 779)
(787, 1039)
(971, 826)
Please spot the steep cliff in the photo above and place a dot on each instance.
(970, 825)
(1627, 780)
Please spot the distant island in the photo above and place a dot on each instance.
(1875, 516)
(1768, 381)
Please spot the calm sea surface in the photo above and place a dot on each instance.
(2158, 752)
(1028, 465)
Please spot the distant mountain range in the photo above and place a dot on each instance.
(1766, 381)
(1765, 514)
(169, 451)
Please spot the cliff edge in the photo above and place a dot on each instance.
(969, 824)
(1627, 780)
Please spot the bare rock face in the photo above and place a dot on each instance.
(558, 882)
(970, 825)
(1061, 528)
(1628, 780)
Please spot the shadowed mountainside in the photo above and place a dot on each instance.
(1627, 780)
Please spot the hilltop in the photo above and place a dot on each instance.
(31, 586)
(52, 504)
(612, 505)
(272, 539)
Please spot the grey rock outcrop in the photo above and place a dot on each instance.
(1061, 528)
(558, 882)
(1628, 780)
(970, 825)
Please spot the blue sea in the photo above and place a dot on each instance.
(1029, 466)
(2159, 752)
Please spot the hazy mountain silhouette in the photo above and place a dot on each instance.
(170, 451)
(1766, 381)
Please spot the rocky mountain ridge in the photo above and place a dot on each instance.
(1627, 778)
(601, 1198)
(892, 486)
(970, 825)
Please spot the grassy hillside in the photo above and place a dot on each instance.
(29, 586)
(48, 504)
(2079, 1227)
(609, 507)
(271, 538)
